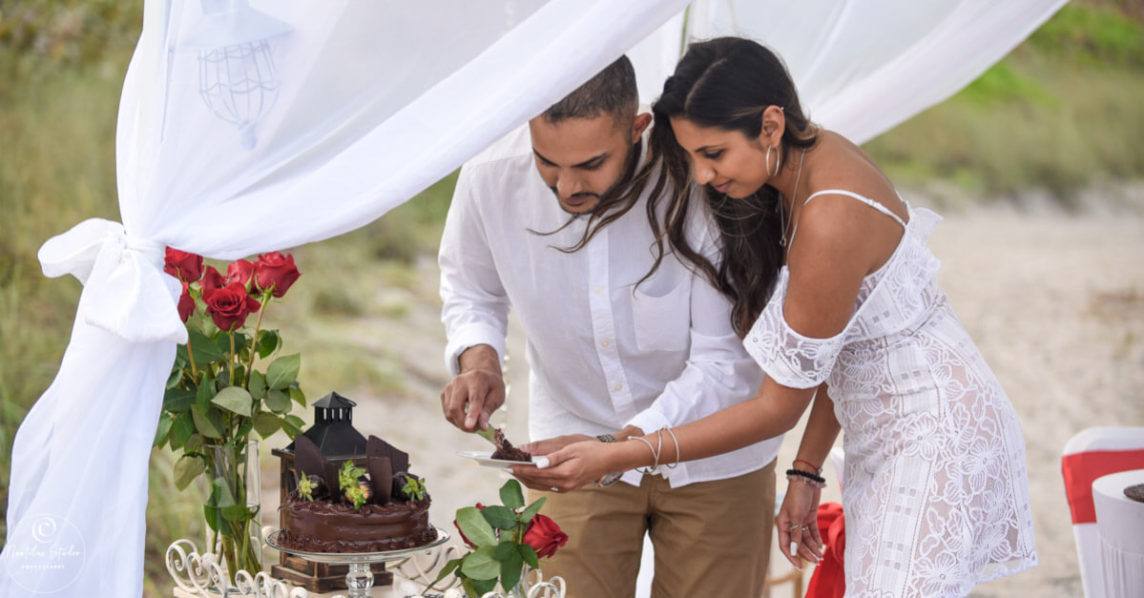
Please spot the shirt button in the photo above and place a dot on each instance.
(618, 387)
(598, 289)
(605, 343)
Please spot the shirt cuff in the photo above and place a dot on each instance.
(470, 336)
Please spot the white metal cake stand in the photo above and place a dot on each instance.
(359, 580)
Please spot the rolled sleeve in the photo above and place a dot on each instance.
(474, 302)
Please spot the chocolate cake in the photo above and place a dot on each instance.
(367, 504)
(506, 451)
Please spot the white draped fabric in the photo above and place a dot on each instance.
(247, 126)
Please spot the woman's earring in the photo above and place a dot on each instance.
(778, 160)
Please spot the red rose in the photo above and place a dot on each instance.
(187, 267)
(230, 305)
(212, 279)
(239, 271)
(186, 303)
(544, 536)
(275, 270)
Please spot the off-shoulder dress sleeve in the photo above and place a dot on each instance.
(786, 356)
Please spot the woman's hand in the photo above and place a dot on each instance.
(798, 524)
(573, 466)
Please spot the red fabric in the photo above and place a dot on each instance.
(829, 578)
(1081, 469)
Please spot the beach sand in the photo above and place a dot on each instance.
(1055, 301)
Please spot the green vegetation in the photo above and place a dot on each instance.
(1062, 112)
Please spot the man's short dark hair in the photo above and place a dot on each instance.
(612, 91)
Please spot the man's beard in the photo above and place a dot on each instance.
(608, 198)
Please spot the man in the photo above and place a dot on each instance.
(611, 354)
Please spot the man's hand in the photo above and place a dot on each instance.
(474, 394)
(551, 445)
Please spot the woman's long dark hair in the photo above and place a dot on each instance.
(726, 83)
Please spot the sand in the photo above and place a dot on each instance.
(1055, 301)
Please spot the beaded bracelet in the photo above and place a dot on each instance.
(806, 477)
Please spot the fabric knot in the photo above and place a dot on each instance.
(125, 291)
(153, 251)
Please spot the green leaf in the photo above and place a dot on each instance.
(206, 391)
(500, 517)
(208, 423)
(278, 401)
(178, 400)
(504, 549)
(257, 385)
(475, 527)
(194, 443)
(182, 429)
(511, 494)
(163, 429)
(527, 514)
(234, 399)
(187, 468)
(292, 425)
(268, 341)
(207, 350)
(236, 513)
(175, 378)
(511, 570)
(211, 515)
(243, 430)
(484, 586)
(481, 564)
(529, 555)
(266, 424)
(445, 571)
(283, 371)
(297, 395)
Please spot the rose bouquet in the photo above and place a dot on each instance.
(216, 397)
(503, 538)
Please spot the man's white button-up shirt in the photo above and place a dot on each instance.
(603, 352)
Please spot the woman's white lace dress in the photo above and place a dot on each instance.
(935, 490)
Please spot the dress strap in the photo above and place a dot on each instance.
(866, 200)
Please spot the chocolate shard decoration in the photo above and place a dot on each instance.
(381, 476)
(331, 476)
(308, 460)
(398, 459)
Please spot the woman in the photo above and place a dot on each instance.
(835, 296)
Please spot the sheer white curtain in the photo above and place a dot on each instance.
(861, 67)
(252, 125)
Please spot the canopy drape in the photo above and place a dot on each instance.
(247, 126)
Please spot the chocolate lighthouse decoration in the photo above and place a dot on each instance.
(320, 450)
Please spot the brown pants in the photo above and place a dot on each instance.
(710, 538)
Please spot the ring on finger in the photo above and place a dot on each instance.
(554, 489)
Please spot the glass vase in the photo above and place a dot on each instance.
(232, 508)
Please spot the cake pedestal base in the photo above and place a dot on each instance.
(359, 579)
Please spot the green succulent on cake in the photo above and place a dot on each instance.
(306, 488)
(349, 481)
(414, 488)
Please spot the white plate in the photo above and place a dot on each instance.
(485, 459)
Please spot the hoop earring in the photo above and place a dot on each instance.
(778, 160)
